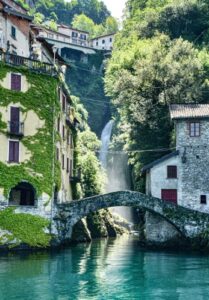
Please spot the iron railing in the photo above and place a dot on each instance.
(31, 64)
(15, 128)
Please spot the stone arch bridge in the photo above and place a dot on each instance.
(189, 223)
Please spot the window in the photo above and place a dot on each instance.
(68, 138)
(63, 161)
(13, 32)
(68, 165)
(103, 41)
(15, 82)
(97, 43)
(194, 129)
(63, 131)
(171, 171)
(13, 151)
(14, 120)
(169, 195)
(58, 154)
(74, 34)
(110, 40)
(71, 167)
(203, 199)
(58, 124)
(63, 102)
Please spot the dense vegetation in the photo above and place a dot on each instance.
(160, 57)
(23, 228)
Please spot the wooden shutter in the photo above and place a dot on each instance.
(14, 151)
(68, 165)
(14, 119)
(63, 102)
(15, 82)
(169, 195)
(71, 167)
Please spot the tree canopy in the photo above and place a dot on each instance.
(160, 57)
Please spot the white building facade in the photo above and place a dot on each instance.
(104, 42)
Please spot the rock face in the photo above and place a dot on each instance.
(100, 224)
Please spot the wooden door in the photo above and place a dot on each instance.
(169, 195)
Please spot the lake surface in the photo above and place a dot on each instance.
(107, 269)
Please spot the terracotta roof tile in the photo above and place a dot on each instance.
(187, 111)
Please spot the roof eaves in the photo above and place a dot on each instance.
(158, 161)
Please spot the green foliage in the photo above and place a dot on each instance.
(83, 22)
(65, 11)
(92, 177)
(41, 98)
(150, 69)
(26, 228)
(86, 82)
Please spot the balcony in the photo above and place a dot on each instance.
(28, 63)
(15, 129)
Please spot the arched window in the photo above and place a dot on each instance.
(22, 194)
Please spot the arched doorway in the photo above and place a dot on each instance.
(22, 194)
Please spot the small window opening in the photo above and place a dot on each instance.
(203, 199)
(171, 171)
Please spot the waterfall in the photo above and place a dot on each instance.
(117, 169)
(105, 139)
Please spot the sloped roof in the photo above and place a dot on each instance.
(158, 161)
(188, 111)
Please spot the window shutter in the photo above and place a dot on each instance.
(63, 102)
(15, 120)
(68, 165)
(15, 82)
(13, 151)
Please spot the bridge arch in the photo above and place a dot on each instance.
(186, 221)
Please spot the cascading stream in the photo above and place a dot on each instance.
(117, 170)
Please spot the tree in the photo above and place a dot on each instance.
(111, 25)
(82, 22)
(144, 80)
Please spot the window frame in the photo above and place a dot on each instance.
(18, 159)
(196, 131)
(14, 86)
(13, 32)
(172, 169)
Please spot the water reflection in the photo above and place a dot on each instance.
(106, 269)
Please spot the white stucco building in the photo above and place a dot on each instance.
(182, 177)
(104, 42)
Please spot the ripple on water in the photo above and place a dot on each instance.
(105, 269)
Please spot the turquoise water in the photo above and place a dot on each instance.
(107, 269)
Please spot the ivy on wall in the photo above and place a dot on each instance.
(42, 99)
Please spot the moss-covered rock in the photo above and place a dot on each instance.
(23, 229)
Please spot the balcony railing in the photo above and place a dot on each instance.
(16, 128)
(31, 64)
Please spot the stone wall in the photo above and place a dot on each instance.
(193, 174)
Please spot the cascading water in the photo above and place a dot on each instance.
(105, 139)
(117, 170)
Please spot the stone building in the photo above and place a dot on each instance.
(182, 176)
(14, 28)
